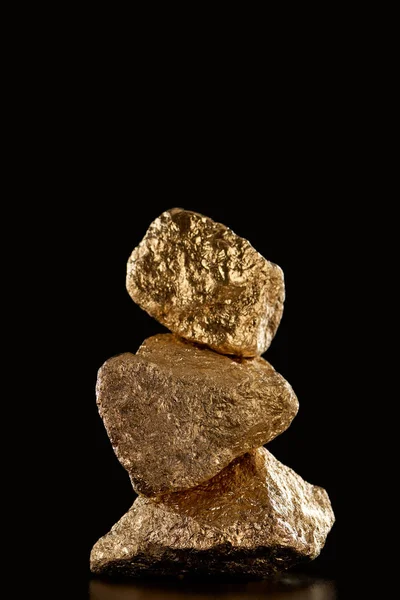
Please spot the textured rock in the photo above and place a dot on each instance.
(255, 517)
(207, 284)
(177, 414)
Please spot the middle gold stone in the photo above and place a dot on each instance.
(177, 413)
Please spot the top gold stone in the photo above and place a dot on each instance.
(206, 284)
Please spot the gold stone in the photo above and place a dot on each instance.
(207, 284)
(177, 413)
(256, 517)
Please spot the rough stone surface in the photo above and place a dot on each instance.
(207, 284)
(255, 517)
(177, 414)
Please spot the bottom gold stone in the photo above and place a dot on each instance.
(256, 517)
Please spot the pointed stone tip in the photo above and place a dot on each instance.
(175, 211)
(324, 501)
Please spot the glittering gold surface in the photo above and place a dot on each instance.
(207, 284)
(177, 414)
(256, 517)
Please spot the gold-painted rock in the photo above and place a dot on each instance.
(206, 284)
(256, 517)
(177, 414)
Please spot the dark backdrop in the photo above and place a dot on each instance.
(300, 235)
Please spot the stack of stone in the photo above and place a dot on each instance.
(188, 414)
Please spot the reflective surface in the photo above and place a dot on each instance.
(207, 284)
(177, 414)
(255, 518)
(288, 587)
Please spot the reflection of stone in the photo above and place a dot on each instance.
(256, 517)
(286, 587)
(207, 284)
(177, 414)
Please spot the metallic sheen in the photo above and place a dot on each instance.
(256, 517)
(207, 284)
(176, 413)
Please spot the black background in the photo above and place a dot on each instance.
(284, 155)
(102, 320)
